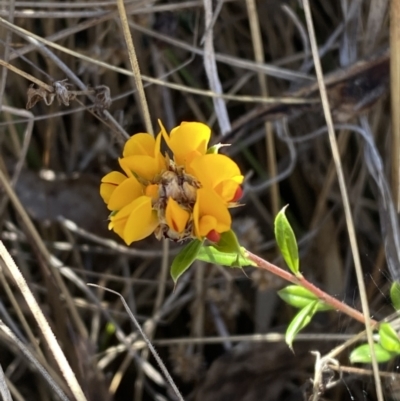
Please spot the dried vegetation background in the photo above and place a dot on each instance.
(82, 105)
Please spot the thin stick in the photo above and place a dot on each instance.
(31, 358)
(343, 191)
(210, 66)
(147, 341)
(269, 134)
(135, 66)
(4, 391)
(11, 11)
(150, 326)
(162, 82)
(395, 97)
(27, 76)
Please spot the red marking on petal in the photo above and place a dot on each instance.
(238, 194)
(213, 236)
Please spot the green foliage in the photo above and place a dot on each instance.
(395, 295)
(388, 338)
(215, 148)
(185, 258)
(227, 252)
(295, 295)
(387, 348)
(231, 259)
(362, 354)
(299, 297)
(228, 243)
(301, 320)
(287, 242)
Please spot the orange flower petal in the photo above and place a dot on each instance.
(142, 166)
(164, 133)
(139, 144)
(211, 169)
(152, 191)
(125, 193)
(109, 183)
(141, 218)
(227, 190)
(118, 227)
(176, 217)
(115, 177)
(119, 219)
(160, 160)
(210, 213)
(187, 141)
(218, 172)
(206, 224)
(141, 222)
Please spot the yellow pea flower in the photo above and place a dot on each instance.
(135, 221)
(181, 197)
(218, 172)
(210, 215)
(133, 217)
(187, 141)
(109, 183)
(142, 156)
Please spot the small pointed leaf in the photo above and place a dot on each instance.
(185, 258)
(299, 297)
(301, 320)
(215, 148)
(210, 254)
(287, 241)
(228, 243)
(388, 338)
(395, 295)
(362, 354)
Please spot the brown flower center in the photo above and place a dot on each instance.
(175, 183)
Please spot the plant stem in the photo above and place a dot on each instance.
(300, 280)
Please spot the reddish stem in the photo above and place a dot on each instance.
(300, 280)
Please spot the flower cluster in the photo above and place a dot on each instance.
(186, 196)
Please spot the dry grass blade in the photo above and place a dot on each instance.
(346, 203)
(135, 66)
(29, 77)
(210, 67)
(351, 91)
(4, 391)
(270, 141)
(52, 343)
(27, 353)
(395, 97)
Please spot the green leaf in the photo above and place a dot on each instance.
(215, 148)
(228, 243)
(299, 297)
(287, 241)
(388, 338)
(301, 320)
(185, 258)
(232, 259)
(362, 354)
(110, 329)
(395, 295)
